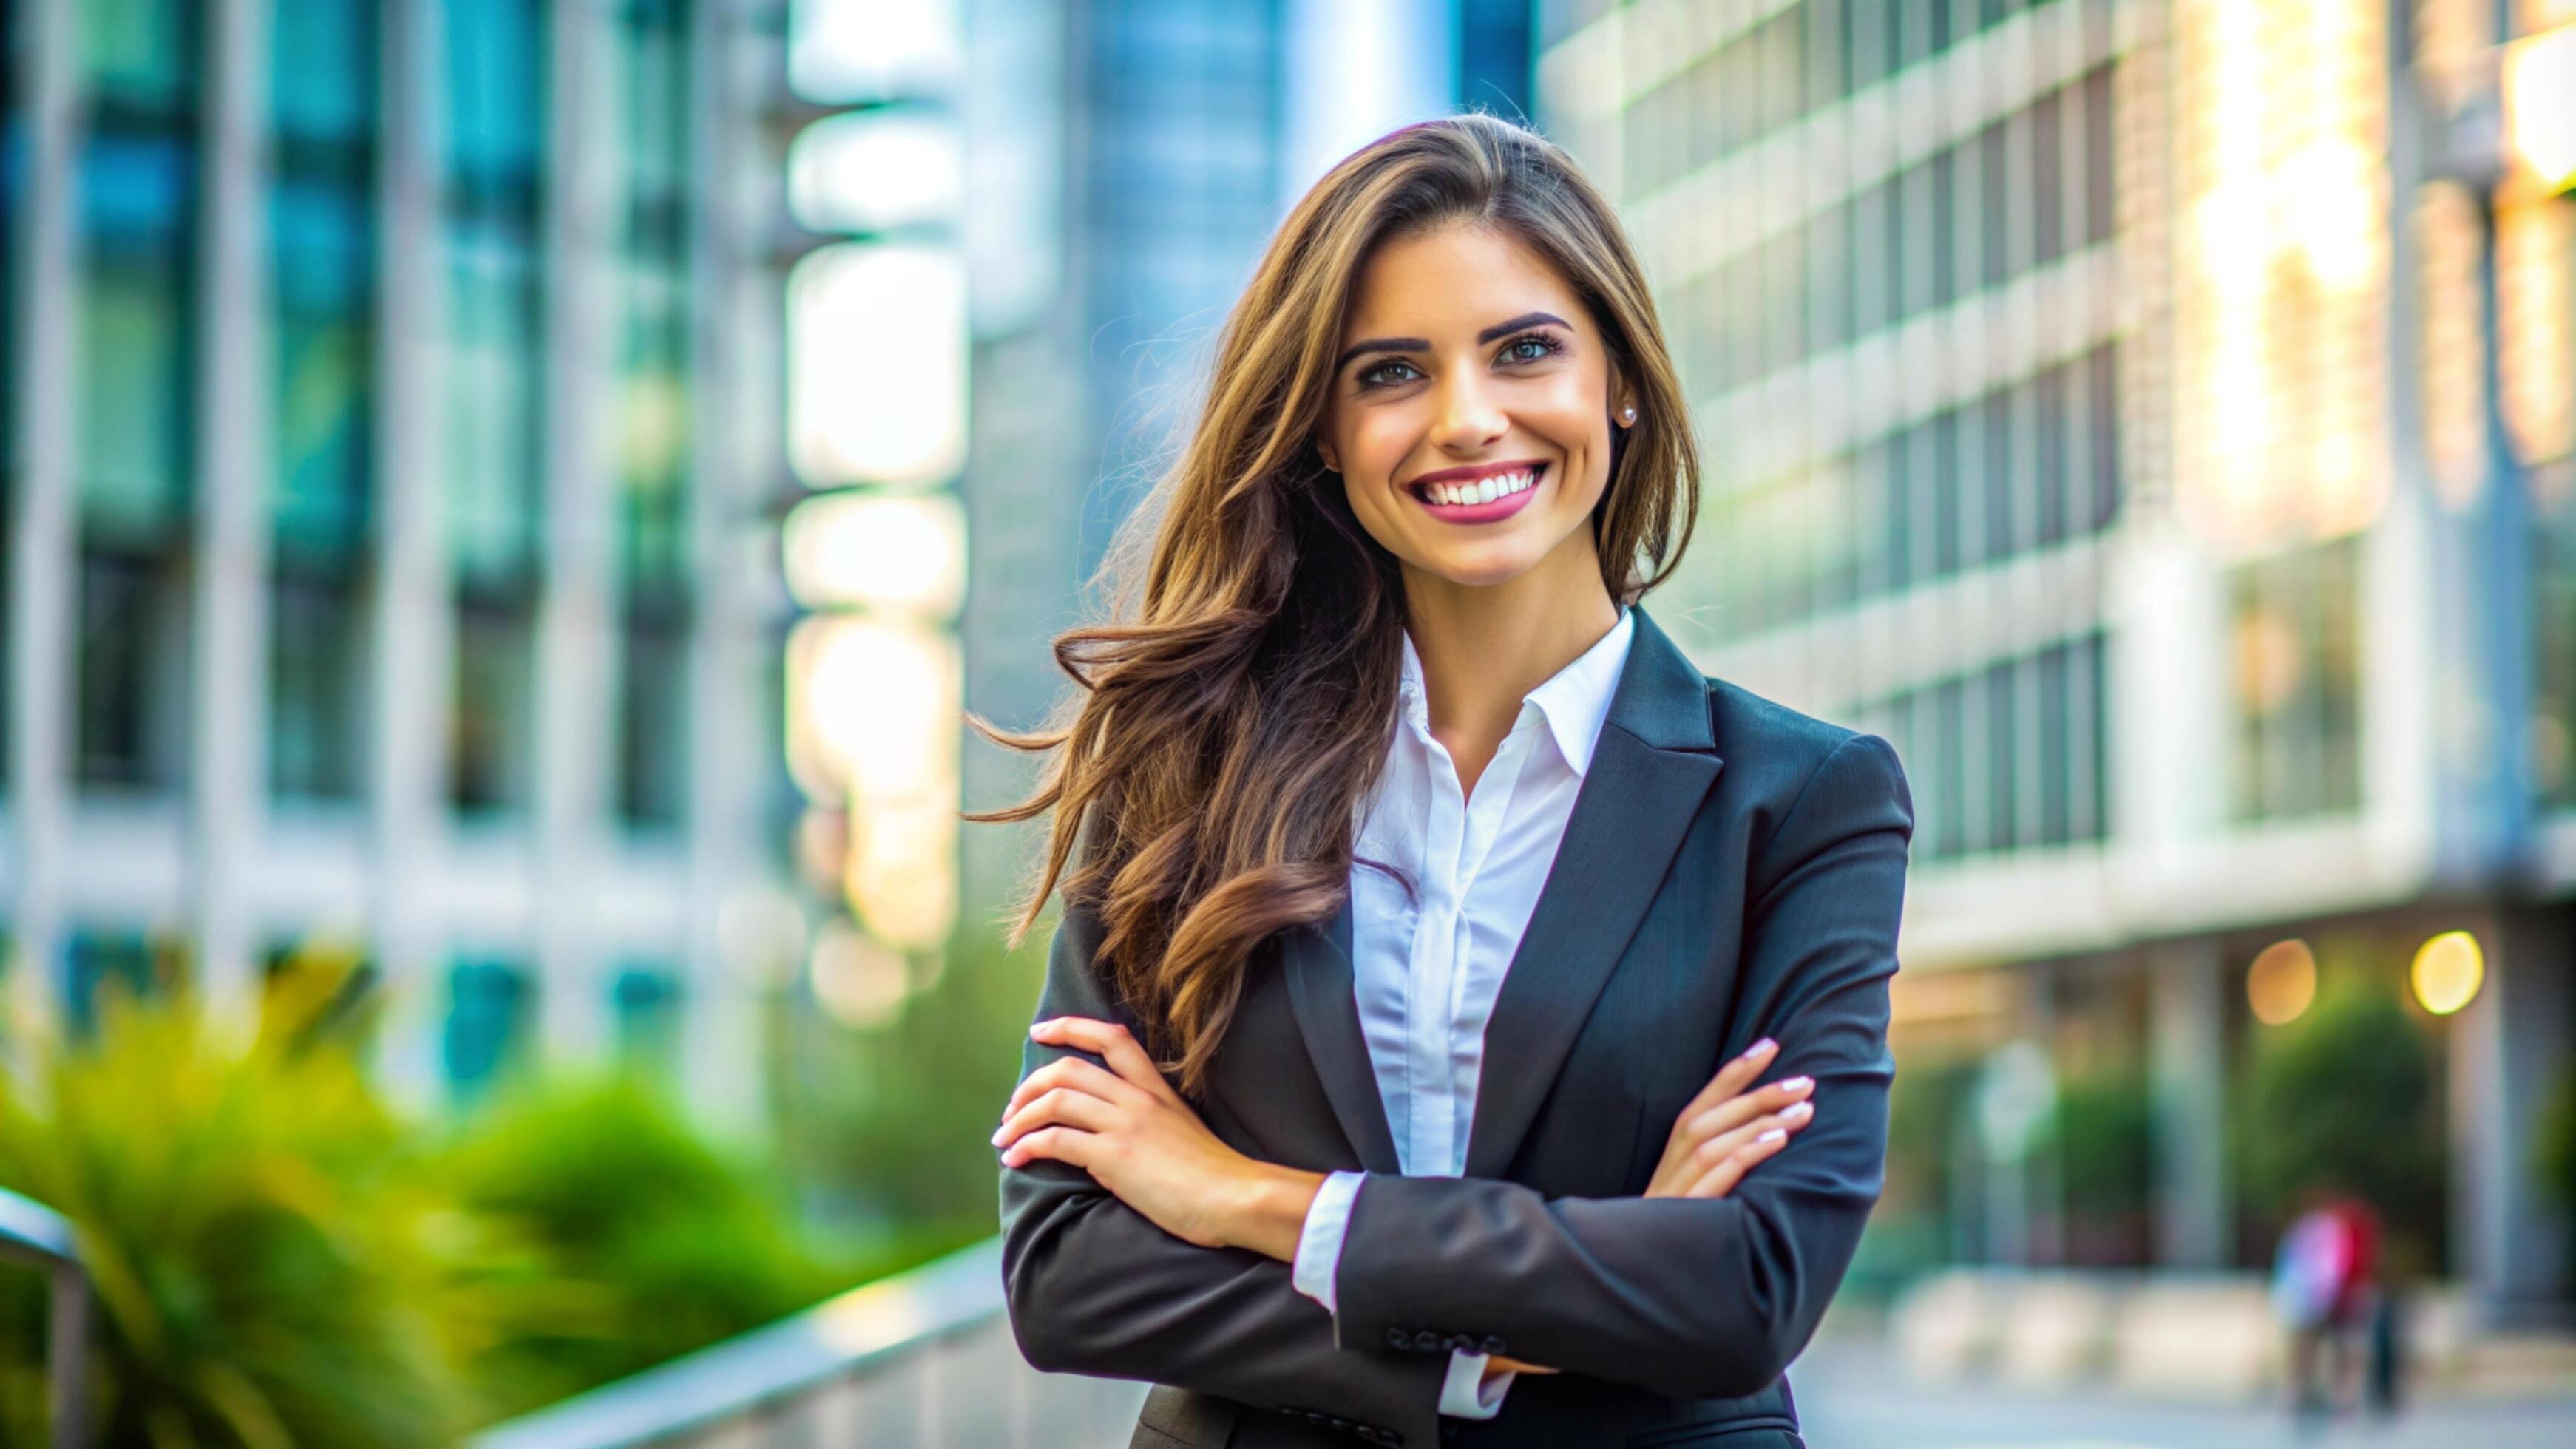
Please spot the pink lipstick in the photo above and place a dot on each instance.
(1479, 495)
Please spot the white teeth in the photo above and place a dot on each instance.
(1484, 490)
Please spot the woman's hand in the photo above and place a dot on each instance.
(1726, 1130)
(1141, 1141)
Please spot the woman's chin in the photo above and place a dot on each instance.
(1484, 567)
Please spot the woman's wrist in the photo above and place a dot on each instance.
(1268, 1213)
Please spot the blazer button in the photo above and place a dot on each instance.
(1342, 1424)
(1398, 1338)
(1463, 1342)
(1427, 1341)
(1493, 1343)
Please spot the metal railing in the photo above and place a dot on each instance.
(925, 1358)
(38, 1236)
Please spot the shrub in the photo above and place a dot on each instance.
(271, 1267)
(2099, 1133)
(652, 1242)
(2343, 1100)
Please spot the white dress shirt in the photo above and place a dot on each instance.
(1426, 971)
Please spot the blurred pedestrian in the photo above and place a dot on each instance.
(2326, 1292)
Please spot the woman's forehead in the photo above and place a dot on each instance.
(1454, 280)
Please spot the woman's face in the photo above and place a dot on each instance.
(1470, 410)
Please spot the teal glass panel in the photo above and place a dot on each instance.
(140, 53)
(489, 1016)
(324, 334)
(136, 336)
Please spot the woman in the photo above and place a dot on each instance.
(1429, 918)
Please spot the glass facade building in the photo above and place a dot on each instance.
(363, 515)
(2097, 404)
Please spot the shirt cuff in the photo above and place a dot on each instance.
(1319, 1243)
(1465, 1394)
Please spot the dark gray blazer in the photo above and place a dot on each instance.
(1733, 869)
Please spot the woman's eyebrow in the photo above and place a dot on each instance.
(1423, 344)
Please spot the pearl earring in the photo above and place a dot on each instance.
(1627, 415)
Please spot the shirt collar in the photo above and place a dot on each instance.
(1574, 701)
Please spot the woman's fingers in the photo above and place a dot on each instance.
(1062, 1144)
(1721, 1179)
(1073, 1072)
(1062, 1106)
(1716, 1149)
(1115, 1045)
(1732, 1078)
(1728, 1115)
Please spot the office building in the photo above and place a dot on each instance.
(376, 510)
(2077, 380)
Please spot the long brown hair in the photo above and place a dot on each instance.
(1236, 709)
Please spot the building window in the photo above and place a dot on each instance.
(490, 1019)
(653, 721)
(494, 195)
(316, 701)
(648, 1020)
(132, 673)
(2008, 757)
(322, 98)
(137, 331)
(491, 736)
(2297, 686)
(654, 373)
(322, 236)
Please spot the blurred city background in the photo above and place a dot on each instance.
(507, 503)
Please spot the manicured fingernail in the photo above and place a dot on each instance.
(997, 1138)
(1774, 1135)
(1760, 1048)
(1797, 1084)
(1797, 1112)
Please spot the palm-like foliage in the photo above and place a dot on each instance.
(271, 1267)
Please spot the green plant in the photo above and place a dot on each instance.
(898, 1120)
(2099, 1134)
(2554, 1161)
(653, 1241)
(2342, 1100)
(271, 1267)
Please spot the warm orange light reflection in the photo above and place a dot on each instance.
(2281, 982)
(2448, 971)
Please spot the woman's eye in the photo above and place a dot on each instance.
(1376, 374)
(1531, 342)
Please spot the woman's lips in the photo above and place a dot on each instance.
(1494, 512)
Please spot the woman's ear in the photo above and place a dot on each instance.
(1324, 451)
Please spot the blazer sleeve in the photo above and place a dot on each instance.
(1704, 1298)
(1095, 1287)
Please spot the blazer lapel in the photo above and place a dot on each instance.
(1654, 764)
(1317, 960)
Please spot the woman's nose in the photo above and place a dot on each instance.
(1469, 415)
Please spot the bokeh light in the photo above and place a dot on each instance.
(2282, 982)
(2448, 971)
(904, 553)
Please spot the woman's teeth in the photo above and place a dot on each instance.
(1501, 485)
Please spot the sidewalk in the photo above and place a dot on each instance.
(1851, 1395)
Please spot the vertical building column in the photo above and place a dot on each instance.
(2187, 1054)
(229, 682)
(413, 637)
(576, 637)
(2509, 1051)
(44, 531)
(734, 363)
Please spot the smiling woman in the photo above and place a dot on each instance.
(1467, 1018)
